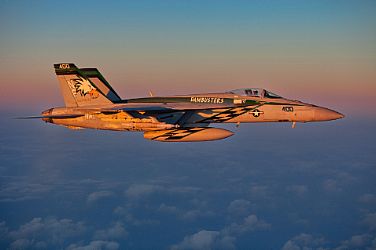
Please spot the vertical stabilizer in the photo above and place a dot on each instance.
(76, 87)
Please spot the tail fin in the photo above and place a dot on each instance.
(97, 78)
(77, 89)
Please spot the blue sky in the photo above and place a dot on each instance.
(266, 187)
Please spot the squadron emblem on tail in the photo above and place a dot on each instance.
(83, 87)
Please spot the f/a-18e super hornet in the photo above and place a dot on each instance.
(90, 102)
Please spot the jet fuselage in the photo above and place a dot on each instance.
(260, 110)
(90, 102)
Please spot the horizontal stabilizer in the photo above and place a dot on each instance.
(52, 116)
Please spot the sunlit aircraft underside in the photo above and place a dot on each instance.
(90, 102)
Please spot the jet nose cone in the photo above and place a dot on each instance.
(324, 114)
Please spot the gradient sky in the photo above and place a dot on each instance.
(318, 51)
(266, 187)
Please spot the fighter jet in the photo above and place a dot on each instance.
(90, 102)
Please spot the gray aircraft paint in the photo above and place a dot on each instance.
(90, 102)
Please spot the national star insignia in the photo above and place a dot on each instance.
(227, 114)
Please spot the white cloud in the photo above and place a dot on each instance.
(57, 228)
(3, 230)
(239, 207)
(370, 221)
(189, 215)
(297, 189)
(259, 190)
(223, 239)
(20, 190)
(139, 190)
(117, 231)
(167, 209)
(362, 241)
(206, 240)
(367, 198)
(96, 245)
(250, 223)
(42, 232)
(95, 196)
(304, 241)
(125, 214)
(194, 214)
(291, 245)
(331, 185)
(21, 244)
(27, 244)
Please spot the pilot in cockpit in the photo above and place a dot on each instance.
(248, 92)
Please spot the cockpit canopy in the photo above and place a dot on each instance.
(256, 92)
